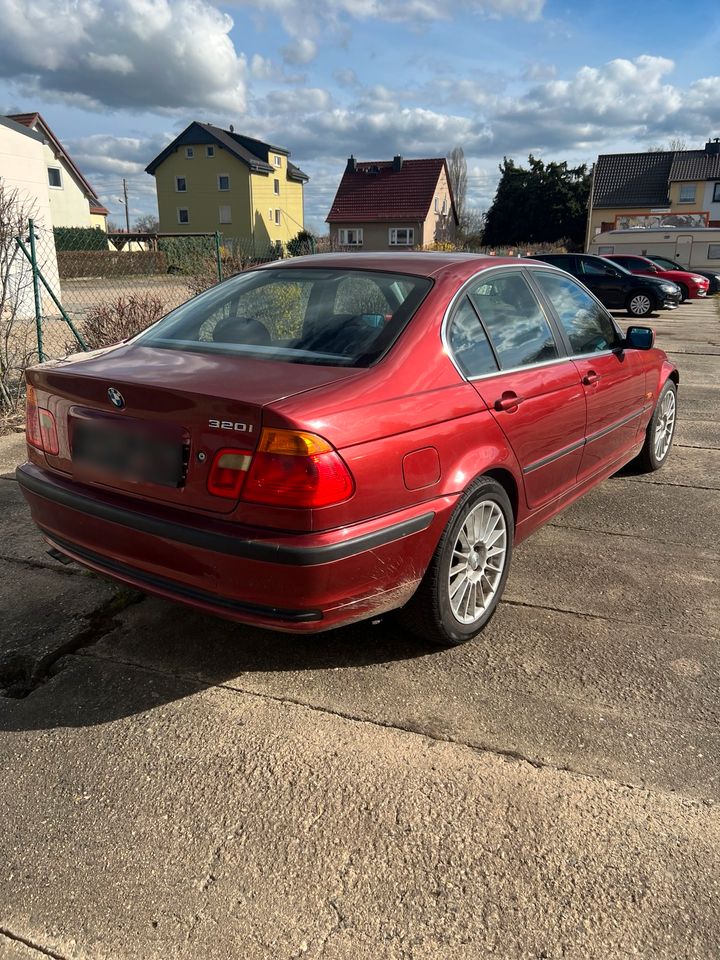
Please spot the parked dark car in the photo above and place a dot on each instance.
(713, 278)
(692, 285)
(616, 287)
(329, 438)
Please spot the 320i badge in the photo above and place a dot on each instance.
(326, 439)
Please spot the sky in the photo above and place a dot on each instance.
(117, 80)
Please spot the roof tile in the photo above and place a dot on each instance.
(388, 194)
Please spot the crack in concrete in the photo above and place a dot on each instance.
(43, 565)
(44, 951)
(713, 558)
(479, 748)
(21, 674)
(668, 483)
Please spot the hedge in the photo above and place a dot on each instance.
(110, 263)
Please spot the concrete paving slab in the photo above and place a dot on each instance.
(230, 826)
(686, 468)
(702, 434)
(20, 538)
(12, 453)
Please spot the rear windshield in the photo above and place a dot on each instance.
(301, 315)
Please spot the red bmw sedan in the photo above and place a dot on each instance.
(329, 438)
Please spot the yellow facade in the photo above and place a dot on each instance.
(686, 205)
(222, 194)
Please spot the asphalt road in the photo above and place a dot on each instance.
(178, 787)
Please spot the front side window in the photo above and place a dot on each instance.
(224, 215)
(181, 184)
(302, 315)
(594, 268)
(687, 193)
(223, 182)
(634, 263)
(588, 327)
(512, 316)
(351, 237)
(468, 343)
(401, 236)
(183, 215)
(54, 177)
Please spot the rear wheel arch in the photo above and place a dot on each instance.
(509, 484)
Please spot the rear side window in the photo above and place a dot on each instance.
(513, 318)
(468, 342)
(301, 315)
(589, 329)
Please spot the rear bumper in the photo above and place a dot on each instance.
(296, 582)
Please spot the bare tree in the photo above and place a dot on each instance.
(17, 329)
(457, 171)
(674, 144)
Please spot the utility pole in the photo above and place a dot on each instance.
(127, 212)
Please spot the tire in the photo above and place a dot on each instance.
(639, 304)
(660, 430)
(684, 293)
(435, 613)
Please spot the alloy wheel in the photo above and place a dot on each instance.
(640, 305)
(665, 426)
(478, 561)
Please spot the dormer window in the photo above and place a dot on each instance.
(277, 160)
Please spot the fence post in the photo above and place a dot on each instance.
(218, 258)
(36, 291)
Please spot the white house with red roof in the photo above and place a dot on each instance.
(73, 202)
(393, 204)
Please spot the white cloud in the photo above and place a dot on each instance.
(299, 52)
(149, 54)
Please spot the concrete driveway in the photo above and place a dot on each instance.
(178, 787)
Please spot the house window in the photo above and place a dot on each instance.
(270, 214)
(189, 153)
(713, 251)
(277, 217)
(277, 160)
(225, 214)
(180, 184)
(210, 150)
(183, 215)
(54, 178)
(351, 238)
(223, 182)
(687, 193)
(401, 236)
(444, 206)
(716, 193)
(276, 187)
(437, 205)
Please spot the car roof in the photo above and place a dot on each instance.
(417, 263)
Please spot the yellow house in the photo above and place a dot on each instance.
(210, 180)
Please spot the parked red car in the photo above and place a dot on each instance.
(692, 285)
(329, 438)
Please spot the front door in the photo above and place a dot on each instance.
(536, 396)
(613, 379)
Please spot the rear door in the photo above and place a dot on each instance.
(604, 280)
(613, 379)
(507, 347)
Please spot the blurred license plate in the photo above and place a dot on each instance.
(127, 454)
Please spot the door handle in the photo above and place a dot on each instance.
(590, 378)
(508, 401)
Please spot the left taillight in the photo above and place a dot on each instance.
(40, 428)
(228, 471)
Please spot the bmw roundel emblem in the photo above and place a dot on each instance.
(116, 398)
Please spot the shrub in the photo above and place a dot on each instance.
(80, 238)
(110, 323)
(302, 244)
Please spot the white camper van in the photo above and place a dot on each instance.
(695, 249)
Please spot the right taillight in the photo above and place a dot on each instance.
(292, 468)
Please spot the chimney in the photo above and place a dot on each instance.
(397, 163)
(351, 165)
(713, 146)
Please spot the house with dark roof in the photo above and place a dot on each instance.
(73, 201)
(678, 188)
(392, 204)
(209, 179)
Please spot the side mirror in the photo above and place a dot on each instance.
(639, 338)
